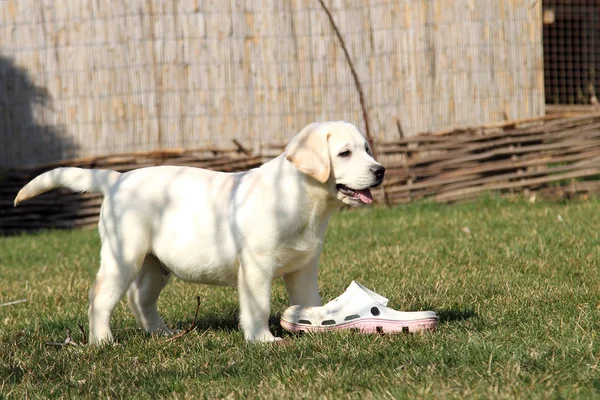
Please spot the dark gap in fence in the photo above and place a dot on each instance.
(571, 43)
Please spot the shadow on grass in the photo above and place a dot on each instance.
(455, 315)
(275, 326)
(230, 323)
(12, 374)
(226, 321)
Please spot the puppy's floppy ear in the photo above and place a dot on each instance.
(309, 152)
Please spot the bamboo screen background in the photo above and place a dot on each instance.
(89, 77)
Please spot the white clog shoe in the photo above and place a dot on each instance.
(357, 308)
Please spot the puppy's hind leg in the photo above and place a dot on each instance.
(143, 294)
(114, 277)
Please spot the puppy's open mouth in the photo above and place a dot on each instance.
(363, 195)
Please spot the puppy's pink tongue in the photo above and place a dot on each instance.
(365, 196)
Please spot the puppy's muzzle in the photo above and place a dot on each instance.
(379, 172)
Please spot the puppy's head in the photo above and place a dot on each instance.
(338, 156)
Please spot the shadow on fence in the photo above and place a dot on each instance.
(23, 138)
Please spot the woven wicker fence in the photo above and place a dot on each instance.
(561, 155)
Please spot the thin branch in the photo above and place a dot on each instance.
(361, 95)
(400, 131)
(191, 327)
(241, 148)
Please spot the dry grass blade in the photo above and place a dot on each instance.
(12, 303)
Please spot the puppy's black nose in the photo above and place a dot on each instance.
(378, 171)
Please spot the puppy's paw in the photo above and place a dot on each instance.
(266, 337)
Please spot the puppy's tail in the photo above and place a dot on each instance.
(75, 179)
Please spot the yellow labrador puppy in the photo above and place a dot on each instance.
(243, 229)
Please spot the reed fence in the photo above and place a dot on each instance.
(83, 78)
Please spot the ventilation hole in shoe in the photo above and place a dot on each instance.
(379, 329)
(304, 321)
(405, 329)
(351, 317)
(375, 311)
(328, 322)
(301, 332)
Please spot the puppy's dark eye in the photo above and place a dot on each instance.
(368, 149)
(344, 153)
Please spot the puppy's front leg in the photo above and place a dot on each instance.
(254, 285)
(302, 284)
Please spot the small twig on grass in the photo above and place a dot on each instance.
(10, 303)
(191, 327)
(83, 334)
(68, 341)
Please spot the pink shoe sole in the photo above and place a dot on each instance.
(368, 325)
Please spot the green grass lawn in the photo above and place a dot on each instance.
(518, 294)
